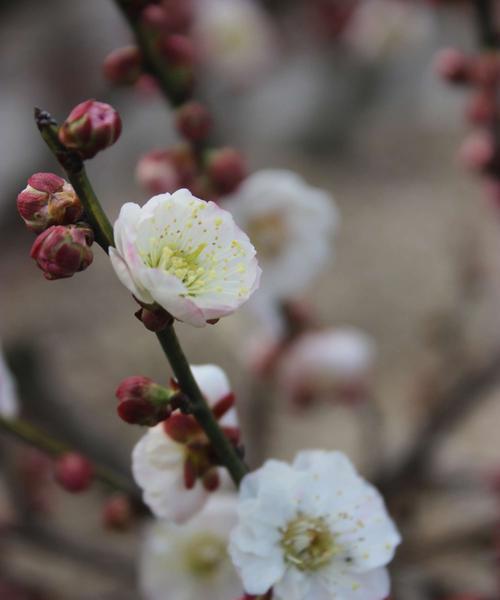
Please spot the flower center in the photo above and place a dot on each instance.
(185, 266)
(204, 554)
(268, 234)
(308, 543)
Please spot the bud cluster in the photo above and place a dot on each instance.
(50, 207)
(219, 173)
(143, 402)
(480, 151)
(167, 23)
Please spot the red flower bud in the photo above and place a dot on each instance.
(193, 121)
(74, 472)
(61, 251)
(178, 50)
(117, 513)
(90, 127)
(123, 66)
(478, 151)
(48, 200)
(486, 70)
(142, 402)
(481, 108)
(453, 66)
(226, 168)
(173, 16)
(154, 320)
(166, 170)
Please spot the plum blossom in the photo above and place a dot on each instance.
(158, 460)
(336, 361)
(236, 39)
(313, 530)
(291, 225)
(191, 561)
(9, 405)
(186, 255)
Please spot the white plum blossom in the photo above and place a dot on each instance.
(314, 530)
(291, 225)
(9, 404)
(191, 561)
(186, 255)
(235, 38)
(158, 460)
(325, 361)
(378, 27)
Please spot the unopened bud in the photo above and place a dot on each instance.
(193, 121)
(90, 127)
(74, 472)
(486, 69)
(61, 251)
(477, 151)
(123, 66)
(162, 171)
(482, 108)
(178, 50)
(117, 513)
(226, 168)
(452, 65)
(48, 200)
(143, 402)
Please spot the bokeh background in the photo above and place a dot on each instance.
(416, 265)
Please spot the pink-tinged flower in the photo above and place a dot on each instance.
(186, 255)
(9, 404)
(334, 363)
(61, 251)
(235, 38)
(161, 463)
(191, 562)
(48, 200)
(90, 127)
(312, 530)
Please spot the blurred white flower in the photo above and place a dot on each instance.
(185, 254)
(191, 561)
(333, 360)
(313, 531)
(9, 405)
(291, 225)
(158, 461)
(381, 26)
(235, 38)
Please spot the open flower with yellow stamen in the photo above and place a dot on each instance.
(191, 561)
(313, 531)
(186, 255)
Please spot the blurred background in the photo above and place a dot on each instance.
(354, 106)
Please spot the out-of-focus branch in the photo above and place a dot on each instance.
(485, 18)
(32, 435)
(459, 401)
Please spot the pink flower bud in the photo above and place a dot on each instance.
(481, 108)
(226, 168)
(48, 200)
(477, 151)
(90, 127)
(61, 251)
(178, 50)
(74, 472)
(166, 170)
(117, 513)
(193, 121)
(486, 70)
(173, 16)
(123, 66)
(142, 402)
(452, 65)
